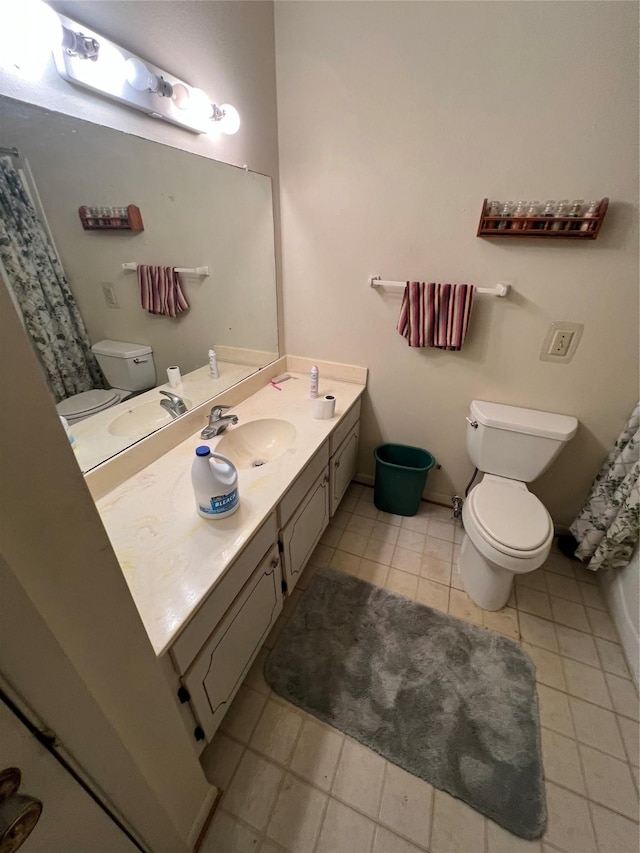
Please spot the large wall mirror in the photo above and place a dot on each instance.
(72, 292)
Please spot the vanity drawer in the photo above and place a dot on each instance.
(194, 636)
(344, 427)
(216, 674)
(303, 483)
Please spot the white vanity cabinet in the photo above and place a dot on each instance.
(215, 675)
(214, 652)
(212, 655)
(344, 456)
(303, 514)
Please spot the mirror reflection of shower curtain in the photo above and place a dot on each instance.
(49, 310)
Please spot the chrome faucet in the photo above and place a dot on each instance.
(174, 405)
(218, 422)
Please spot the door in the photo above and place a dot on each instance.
(70, 822)
(302, 532)
(343, 467)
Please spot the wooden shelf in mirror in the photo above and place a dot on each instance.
(111, 218)
(545, 227)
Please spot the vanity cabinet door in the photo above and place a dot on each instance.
(302, 532)
(343, 467)
(218, 671)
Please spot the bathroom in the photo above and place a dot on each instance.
(361, 113)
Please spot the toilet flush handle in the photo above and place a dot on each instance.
(472, 423)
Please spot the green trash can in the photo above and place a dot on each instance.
(401, 475)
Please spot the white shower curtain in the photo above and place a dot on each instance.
(607, 529)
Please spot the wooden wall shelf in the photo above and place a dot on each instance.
(546, 227)
(111, 218)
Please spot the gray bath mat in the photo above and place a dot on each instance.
(450, 703)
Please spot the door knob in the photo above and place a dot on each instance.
(19, 813)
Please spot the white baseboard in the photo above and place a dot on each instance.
(430, 497)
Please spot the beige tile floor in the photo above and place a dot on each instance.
(293, 784)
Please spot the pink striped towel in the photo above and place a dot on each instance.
(161, 291)
(435, 315)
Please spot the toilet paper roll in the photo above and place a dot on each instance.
(173, 375)
(324, 407)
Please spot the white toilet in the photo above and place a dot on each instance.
(508, 530)
(128, 368)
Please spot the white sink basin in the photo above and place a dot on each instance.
(140, 420)
(255, 443)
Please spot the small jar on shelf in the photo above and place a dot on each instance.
(492, 209)
(561, 211)
(533, 211)
(591, 211)
(506, 211)
(518, 223)
(575, 211)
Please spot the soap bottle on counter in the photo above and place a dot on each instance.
(314, 377)
(215, 483)
(213, 365)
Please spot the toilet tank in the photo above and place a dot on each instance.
(514, 442)
(126, 366)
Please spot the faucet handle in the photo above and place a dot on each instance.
(216, 411)
(173, 397)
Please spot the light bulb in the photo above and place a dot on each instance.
(230, 123)
(138, 75)
(200, 107)
(181, 97)
(29, 30)
(107, 73)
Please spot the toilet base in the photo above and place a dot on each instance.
(488, 585)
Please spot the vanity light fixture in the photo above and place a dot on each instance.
(132, 81)
(30, 29)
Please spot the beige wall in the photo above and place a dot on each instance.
(396, 120)
(52, 537)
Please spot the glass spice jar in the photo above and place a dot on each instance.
(590, 213)
(560, 211)
(506, 211)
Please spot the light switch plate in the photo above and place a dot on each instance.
(110, 295)
(561, 341)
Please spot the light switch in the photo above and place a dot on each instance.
(110, 295)
(561, 341)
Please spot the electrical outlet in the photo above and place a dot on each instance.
(561, 341)
(110, 295)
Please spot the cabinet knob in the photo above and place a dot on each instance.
(336, 464)
(274, 562)
(198, 733)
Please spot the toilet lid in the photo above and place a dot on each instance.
(511, 516)
(87, 402)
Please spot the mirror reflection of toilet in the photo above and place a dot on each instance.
(508, 531)
(128, 368)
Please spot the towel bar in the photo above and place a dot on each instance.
(187, 270)
(499, 290)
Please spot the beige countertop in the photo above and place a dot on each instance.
(172, 558)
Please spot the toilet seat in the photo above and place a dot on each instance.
(88, 403)
(509, 518)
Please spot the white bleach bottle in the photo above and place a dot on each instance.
(215, 484)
